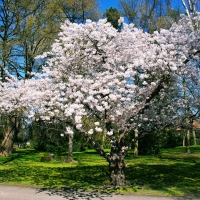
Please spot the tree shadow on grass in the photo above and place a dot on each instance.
(22, 154)
(84, 177)
(78, 182)
(81, 182)
(173, 179)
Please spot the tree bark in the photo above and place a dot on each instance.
(103, 138)
(11, 132)
(194, 137)
(116, 169)
(115, 158)
(70, 151)
(184, 138)
(135, 151)
(117, 163)
(188, 142)
(7, 143)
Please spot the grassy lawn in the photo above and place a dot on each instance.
(172, 172)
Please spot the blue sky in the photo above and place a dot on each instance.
(106, 4)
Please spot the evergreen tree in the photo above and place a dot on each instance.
(113, 16)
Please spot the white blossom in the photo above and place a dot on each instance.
(109, 133)
(98, 129)
(96, 123)
(69, 131)
(95, 72)
(78, 126)
(78, 119)
(91, 131)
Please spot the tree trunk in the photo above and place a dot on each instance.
(135, 151)
(115, 159)
(70, 151)
(184, 140)
(104, 138)
(116, 169)
(116, 162)
(188, 142)
(11, 132)
(7, 143)
(194, 137)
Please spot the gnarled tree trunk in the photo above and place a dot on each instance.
(7, 143)
(10, 133)
(116, 162)
(115, 158)
(116, 169)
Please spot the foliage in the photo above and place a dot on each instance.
(112, 15)
(152, 143)
(173, 138)
(47, 137)
(75, 11)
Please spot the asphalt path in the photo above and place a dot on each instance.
(28, 193)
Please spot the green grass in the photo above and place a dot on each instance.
(172, 172)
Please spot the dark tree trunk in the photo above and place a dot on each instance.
(70, 150)
(6, 147)
(117, 163)
(116, 169)
(7, 143)
(115, 158)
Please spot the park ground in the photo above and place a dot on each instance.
(171, 174)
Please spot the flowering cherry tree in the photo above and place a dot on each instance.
(113, 79)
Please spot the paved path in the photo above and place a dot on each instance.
(27, 193)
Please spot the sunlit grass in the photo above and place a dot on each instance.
(172, 172)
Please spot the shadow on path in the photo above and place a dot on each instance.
(78, 194)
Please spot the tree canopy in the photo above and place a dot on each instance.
(117, 80)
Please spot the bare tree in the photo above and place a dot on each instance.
(150, 15)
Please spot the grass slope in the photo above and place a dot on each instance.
(171, 173)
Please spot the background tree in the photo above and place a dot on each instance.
(189, 84)
(8, 52)
(8, 38)
(191, 7)
(28, 28)
(36, 32)
(76, 10)
(150, 15)
(112, 15)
